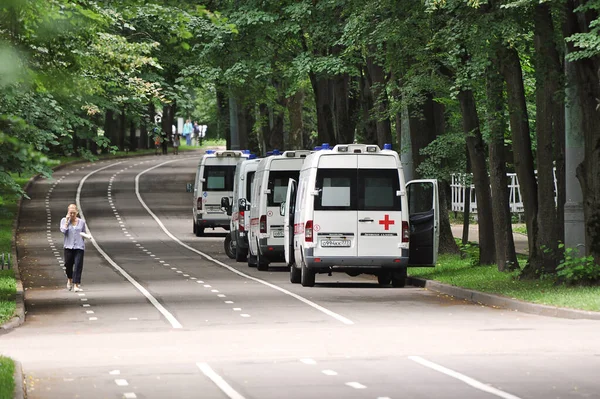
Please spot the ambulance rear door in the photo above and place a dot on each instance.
(335, 208)
(379, 207)
(288, 221)
(423, 205)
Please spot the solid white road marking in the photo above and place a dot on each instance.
(329, 372)
(356, 385)
(129, 395)
(174, 322)
(93, 318)
(467, 380)
(233, 270)
(219, 381)
(121, 382)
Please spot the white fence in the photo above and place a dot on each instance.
(459, 191)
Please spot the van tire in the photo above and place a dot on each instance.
(307, 276)
(229, 247)
(261, 263)
(295, 274)
(399, 279)
(384, 278)
(199, 231)
(241, 254)
(251, 261)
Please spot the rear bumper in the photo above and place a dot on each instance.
(214, 222)
(272, 252)
(342, 263)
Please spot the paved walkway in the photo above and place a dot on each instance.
(521, 245)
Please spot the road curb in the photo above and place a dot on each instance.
(497, 301)
(20, 391)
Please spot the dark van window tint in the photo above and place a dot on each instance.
(378, 189)
(218, 178)
(337, 190)
(357, 190)
(249, 180)
(278, 182)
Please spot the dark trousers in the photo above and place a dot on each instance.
(74, 264)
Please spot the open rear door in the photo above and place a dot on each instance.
(424, 219)
(288, 221)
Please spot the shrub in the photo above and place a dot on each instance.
(575, 269)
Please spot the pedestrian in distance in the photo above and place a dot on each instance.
(187, 132)
(73, 229)
(196, 137)
(176, 142)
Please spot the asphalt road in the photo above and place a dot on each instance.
(165, 314)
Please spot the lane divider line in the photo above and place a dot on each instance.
(467, 380)
(174, 322)
(231, 269)
(219, 381)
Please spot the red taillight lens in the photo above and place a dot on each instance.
(308, 231)
(241, 221)
(199, 204)
(405, 232)
(263, 224)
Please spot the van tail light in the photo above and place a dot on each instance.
(199, 204)
(308, 231)
(241, 221)
(263, 224)
(405, 232)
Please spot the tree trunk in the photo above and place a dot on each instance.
(548, 74)
(467, 201)
(322, 88)
(132, 136)
(223, 116)
(265, 128)
(276, 136)
(122, 129)
(295, 104)
(369, 127)
(447, 242)
(588, 172)
(344, 107)
(379, 112)
(481, 179)
(506, 257)
(519, 127)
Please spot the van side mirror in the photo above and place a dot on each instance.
(225, 205)
(189, 187)
(243, 204)
(316, 192)
(282, 209)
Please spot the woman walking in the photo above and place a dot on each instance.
(72, 227)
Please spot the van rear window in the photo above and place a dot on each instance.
(249, 180)
(218, 178)
(278, 183)
(357, 190)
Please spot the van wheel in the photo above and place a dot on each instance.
(261, 263)
(307, 277)
(251, 261)
(195, 227)
(241, 254)
(199, 231)
(229, 247)
(399, 278)
(295, 274)
(384, 278)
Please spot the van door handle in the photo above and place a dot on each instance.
(367, 220)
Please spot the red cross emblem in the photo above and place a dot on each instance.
(386, 222)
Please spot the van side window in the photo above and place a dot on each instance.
(218, 178)
(249, 180)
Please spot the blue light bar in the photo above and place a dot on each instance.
(252, 156)
(387, 146)
(318, 148)
(276, 152)
(210, 151)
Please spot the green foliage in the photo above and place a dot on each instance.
(576, 269)
(7, 383)
(468, 251)
(445, 155)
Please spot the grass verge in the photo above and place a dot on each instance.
(454, 270)
(7, 384)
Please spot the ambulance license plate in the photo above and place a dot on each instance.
(335, 243)
(278, 233)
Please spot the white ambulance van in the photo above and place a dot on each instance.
(349, 212)
(269, 190)
(214, 180)
(239, 208)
